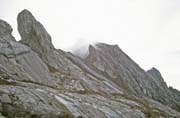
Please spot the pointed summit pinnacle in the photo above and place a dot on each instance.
(33, 33)
(25, 23)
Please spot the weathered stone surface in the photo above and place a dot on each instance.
(11, 49)
(5, 32)
(5, 28)
(155, 74)
(8, 46)
(35, 36)
(168, 94)
(33, 33)
(5, 99)
(27, 102)
(121, 69)
(39, 81)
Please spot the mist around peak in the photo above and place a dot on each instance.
(81, 48)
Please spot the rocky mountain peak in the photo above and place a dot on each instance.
(108, 55)
(5, 28)
(91, 49)
(5, 32)
(154, 70)
(25, 23)
(155, 74)
(39, 81)
(102, 47)
(33, 33)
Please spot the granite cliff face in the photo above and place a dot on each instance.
(39, 81)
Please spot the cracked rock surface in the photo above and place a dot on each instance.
(39, 81)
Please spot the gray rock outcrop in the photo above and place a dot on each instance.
(116, 65)
(34, 35)
(39, 81)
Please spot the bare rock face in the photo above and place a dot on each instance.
(33, 33)
(8, 46)
(5, 28)
(121, 69)
(5, 32)
(37, 38)
(155, 74)
(19, 59)
(110, 60)
(172, 95)
(115, 64)
(39, 81)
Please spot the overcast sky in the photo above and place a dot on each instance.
(147, 30)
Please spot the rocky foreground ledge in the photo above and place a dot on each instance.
(39, 81)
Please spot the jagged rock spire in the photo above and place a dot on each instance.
(91, 49)
(8, 46)
(33, 33)
(25, 23)
(155, 74)
(38, 39)
(5, 32)
(5, 28)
